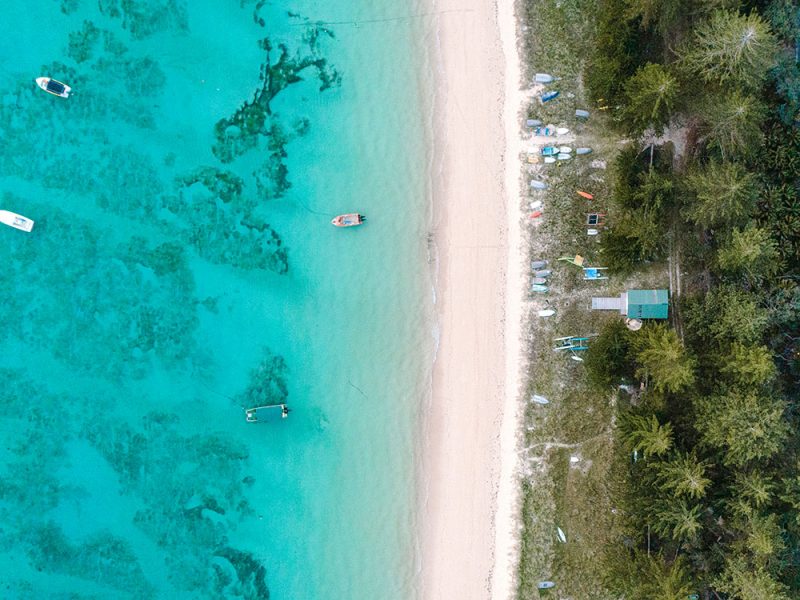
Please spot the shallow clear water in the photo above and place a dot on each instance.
(183, 266)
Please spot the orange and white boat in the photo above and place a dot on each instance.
(51, 86)
(348, 220)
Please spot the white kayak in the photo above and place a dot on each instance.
(539, 399)
(562, 537)
(538, 185)
(564, 149)
(536, 204)
(546, 312)
(549, 160)
(16, 221)
(51, 86)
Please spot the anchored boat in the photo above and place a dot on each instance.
(51, 86)
(348, 220)
(266, 414)
(16, 221)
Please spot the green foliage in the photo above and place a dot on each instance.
(751, 492)
(750, 252)
(733, 123)
(747, 365)
(745, 427)
(732, 48)
(648, 577)
(608, 360)
(678, 519)
(743, 582)
(646, 434)
(659, 15)
(683, 475)
(726, 314)
(616, 53)
(650, 97)
(663, 359)
(724, 194)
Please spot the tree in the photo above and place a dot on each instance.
(725, 315)
(731, 48)
(744, 426)
(650, 97)
(752, 491)
(608, 359)
(662, 357)
(678, 519)
(763, 539)
(659, 15)
(724, 193)
(733, 123)
(750, 252)
(646, 434)
(747, 365)
(683, 475)
(741, 581)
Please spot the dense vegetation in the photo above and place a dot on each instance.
(706, 479)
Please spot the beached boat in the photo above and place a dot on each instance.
(563, 156)
(539, 399)
(542, 273)
(538, 185)
(546, 585)
(51, 86)
(16, 221)
(538, 264)
(266, 414)
(583, 151)
(581, 114)
(546, 312)
(544, 78)
(562, 537)
(547, 96)
(539, 281)
(539, 288)
(348, 220)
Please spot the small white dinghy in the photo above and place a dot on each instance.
(562, 537)
(16, 221)
(546, 312)
(546, 585)
(51, 86)
(539, 399)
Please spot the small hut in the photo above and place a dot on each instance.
(637, 304)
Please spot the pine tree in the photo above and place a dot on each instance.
(678, 519)
(750, 252)
(683, 475)
(744, 427)
(743, 582)
(724, 194)
(731, 48)
(747, 365)
(646, 434)
(733, 123)
(650, 97)
(662, 357)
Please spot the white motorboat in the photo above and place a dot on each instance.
(16, 221)
(51, 86)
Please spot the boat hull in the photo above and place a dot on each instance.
(16, 221)
(348, 220)
(61, 90)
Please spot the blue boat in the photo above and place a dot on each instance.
(547, 96)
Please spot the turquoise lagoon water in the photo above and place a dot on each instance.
(183, 266)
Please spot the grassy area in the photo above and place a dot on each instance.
(574, 496)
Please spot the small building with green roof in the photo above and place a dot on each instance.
(637, 304)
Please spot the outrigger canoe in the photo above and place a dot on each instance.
(348, 220)
(51, 86)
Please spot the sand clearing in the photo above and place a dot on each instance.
(469, 465)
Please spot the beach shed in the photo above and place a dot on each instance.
(637, 304)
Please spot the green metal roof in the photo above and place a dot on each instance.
(648, 304)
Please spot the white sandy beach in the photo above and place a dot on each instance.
(470, 505)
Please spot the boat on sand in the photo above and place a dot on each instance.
(348, 220)
(16, 221)
(51, 86)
